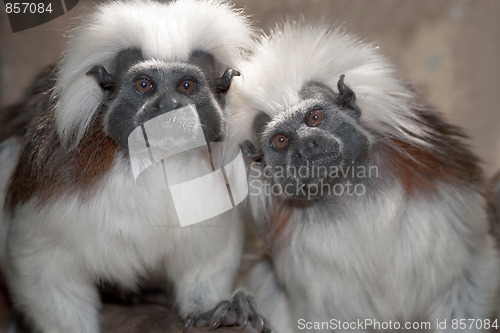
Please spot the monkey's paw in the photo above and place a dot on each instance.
(241, 311)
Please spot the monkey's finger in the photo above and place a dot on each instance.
(256, 320)
(247, 312)
(240, 305)
(219, 314)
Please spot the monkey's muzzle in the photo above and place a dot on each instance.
(169, 152)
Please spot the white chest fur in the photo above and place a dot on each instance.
(391, 260)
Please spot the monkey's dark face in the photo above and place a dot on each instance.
(313, 143)
(140, 90)
(152, 88)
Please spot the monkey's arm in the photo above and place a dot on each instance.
(203, 283)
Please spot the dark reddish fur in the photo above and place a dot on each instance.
(446, 160)
(279, 223)
(45, 169)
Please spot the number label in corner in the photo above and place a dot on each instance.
(28, 14)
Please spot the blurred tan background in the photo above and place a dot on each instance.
(449, 48)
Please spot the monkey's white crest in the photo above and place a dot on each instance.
(166, 31)
(298, 52)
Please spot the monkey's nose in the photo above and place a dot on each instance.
(312, 144)
(160, 106)
(316, 147)
(167, 104)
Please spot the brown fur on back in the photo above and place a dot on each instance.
(447, 159)
(45, 168)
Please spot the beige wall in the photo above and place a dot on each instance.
(449, 48)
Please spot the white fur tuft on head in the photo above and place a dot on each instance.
(166, 31)
(297, 52)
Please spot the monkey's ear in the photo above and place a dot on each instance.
(249, 150)
(247, 147)
(223, 84)
(104, 79)
(123, 60)
(347, 99)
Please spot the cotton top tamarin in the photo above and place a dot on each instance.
(75, 215)
(369, 203)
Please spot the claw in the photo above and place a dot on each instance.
(240, 311)
(188, 325)
(219, 314)
(247, 310)
(242, 321)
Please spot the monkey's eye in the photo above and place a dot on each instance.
(315, 118)
(279, 141)
(187, 86)
(143, 85)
